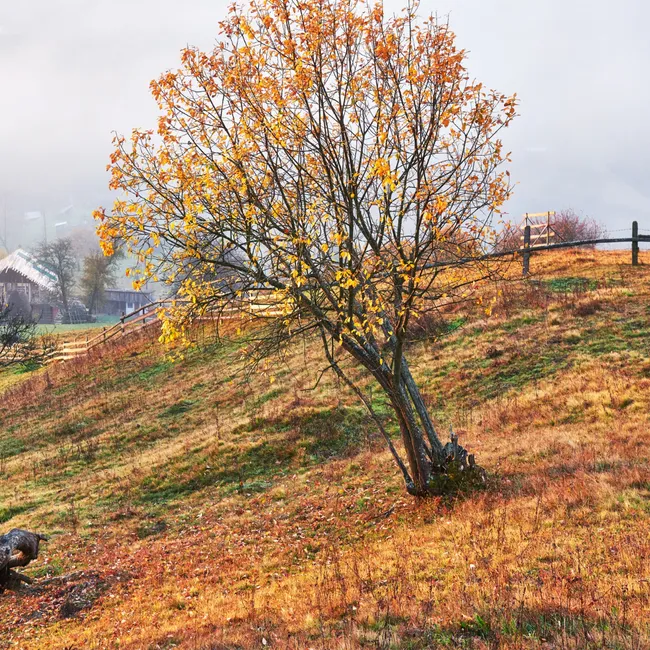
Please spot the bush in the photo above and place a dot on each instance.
(570, 226)
(567, 225)
(508, 239)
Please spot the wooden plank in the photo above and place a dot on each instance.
(262, 304)
(538, 214)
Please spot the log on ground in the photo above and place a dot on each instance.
(17, 549)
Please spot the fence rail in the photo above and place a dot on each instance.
(147, 316)
(541, 231)
(262, 305)
(130, 323)
(526, 251)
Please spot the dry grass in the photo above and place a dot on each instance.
(207, 514)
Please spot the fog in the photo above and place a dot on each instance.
(73, 71)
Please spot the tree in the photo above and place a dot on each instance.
(59, 257)
(98, 273)
(566, 226)
(509, 238)
(19, 341)
(570, 226)
(342, 162)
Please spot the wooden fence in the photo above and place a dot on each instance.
(261, 303)
(130, 323)
(540, 228)
(527, 250)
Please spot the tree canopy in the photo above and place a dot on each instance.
(98, 273)
(59, 257)
(340, 159)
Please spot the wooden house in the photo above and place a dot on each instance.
(124, 301)
(29, 285)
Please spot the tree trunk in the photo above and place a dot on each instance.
(418, 456)
(437, 447)
(434, 468)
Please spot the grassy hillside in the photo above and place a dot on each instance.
(190, 510)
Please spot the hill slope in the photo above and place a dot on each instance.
(190, 511)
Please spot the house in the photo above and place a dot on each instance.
(124, 301)
(28, 285)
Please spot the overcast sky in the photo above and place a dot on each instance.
(72, 71)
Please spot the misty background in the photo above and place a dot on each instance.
(73, 71)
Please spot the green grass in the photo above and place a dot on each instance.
(528, 354)
(454, 325)
(72, 327)
(228, 471)
(155, 370)
(267, 397)
(335, 433)
(548, 626)
(316, 438)
(52, 569)
(69, 429)
(517, 323)
(177, 409)
(11, 446)
(570, 284)
(13, 511)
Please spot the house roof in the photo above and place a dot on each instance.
(22, 262)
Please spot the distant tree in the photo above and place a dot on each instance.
(59, 257)
(19, 340)
(99, 272)
(568, 225)
(18, 305)
(337, 159)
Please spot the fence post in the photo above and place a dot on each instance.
(526, 269)
(122, 322)
(635, 243)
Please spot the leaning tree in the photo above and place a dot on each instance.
(337, 158)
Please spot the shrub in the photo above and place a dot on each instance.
(570, 226)
(567, 225)
(587, 308)
(508, 239)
